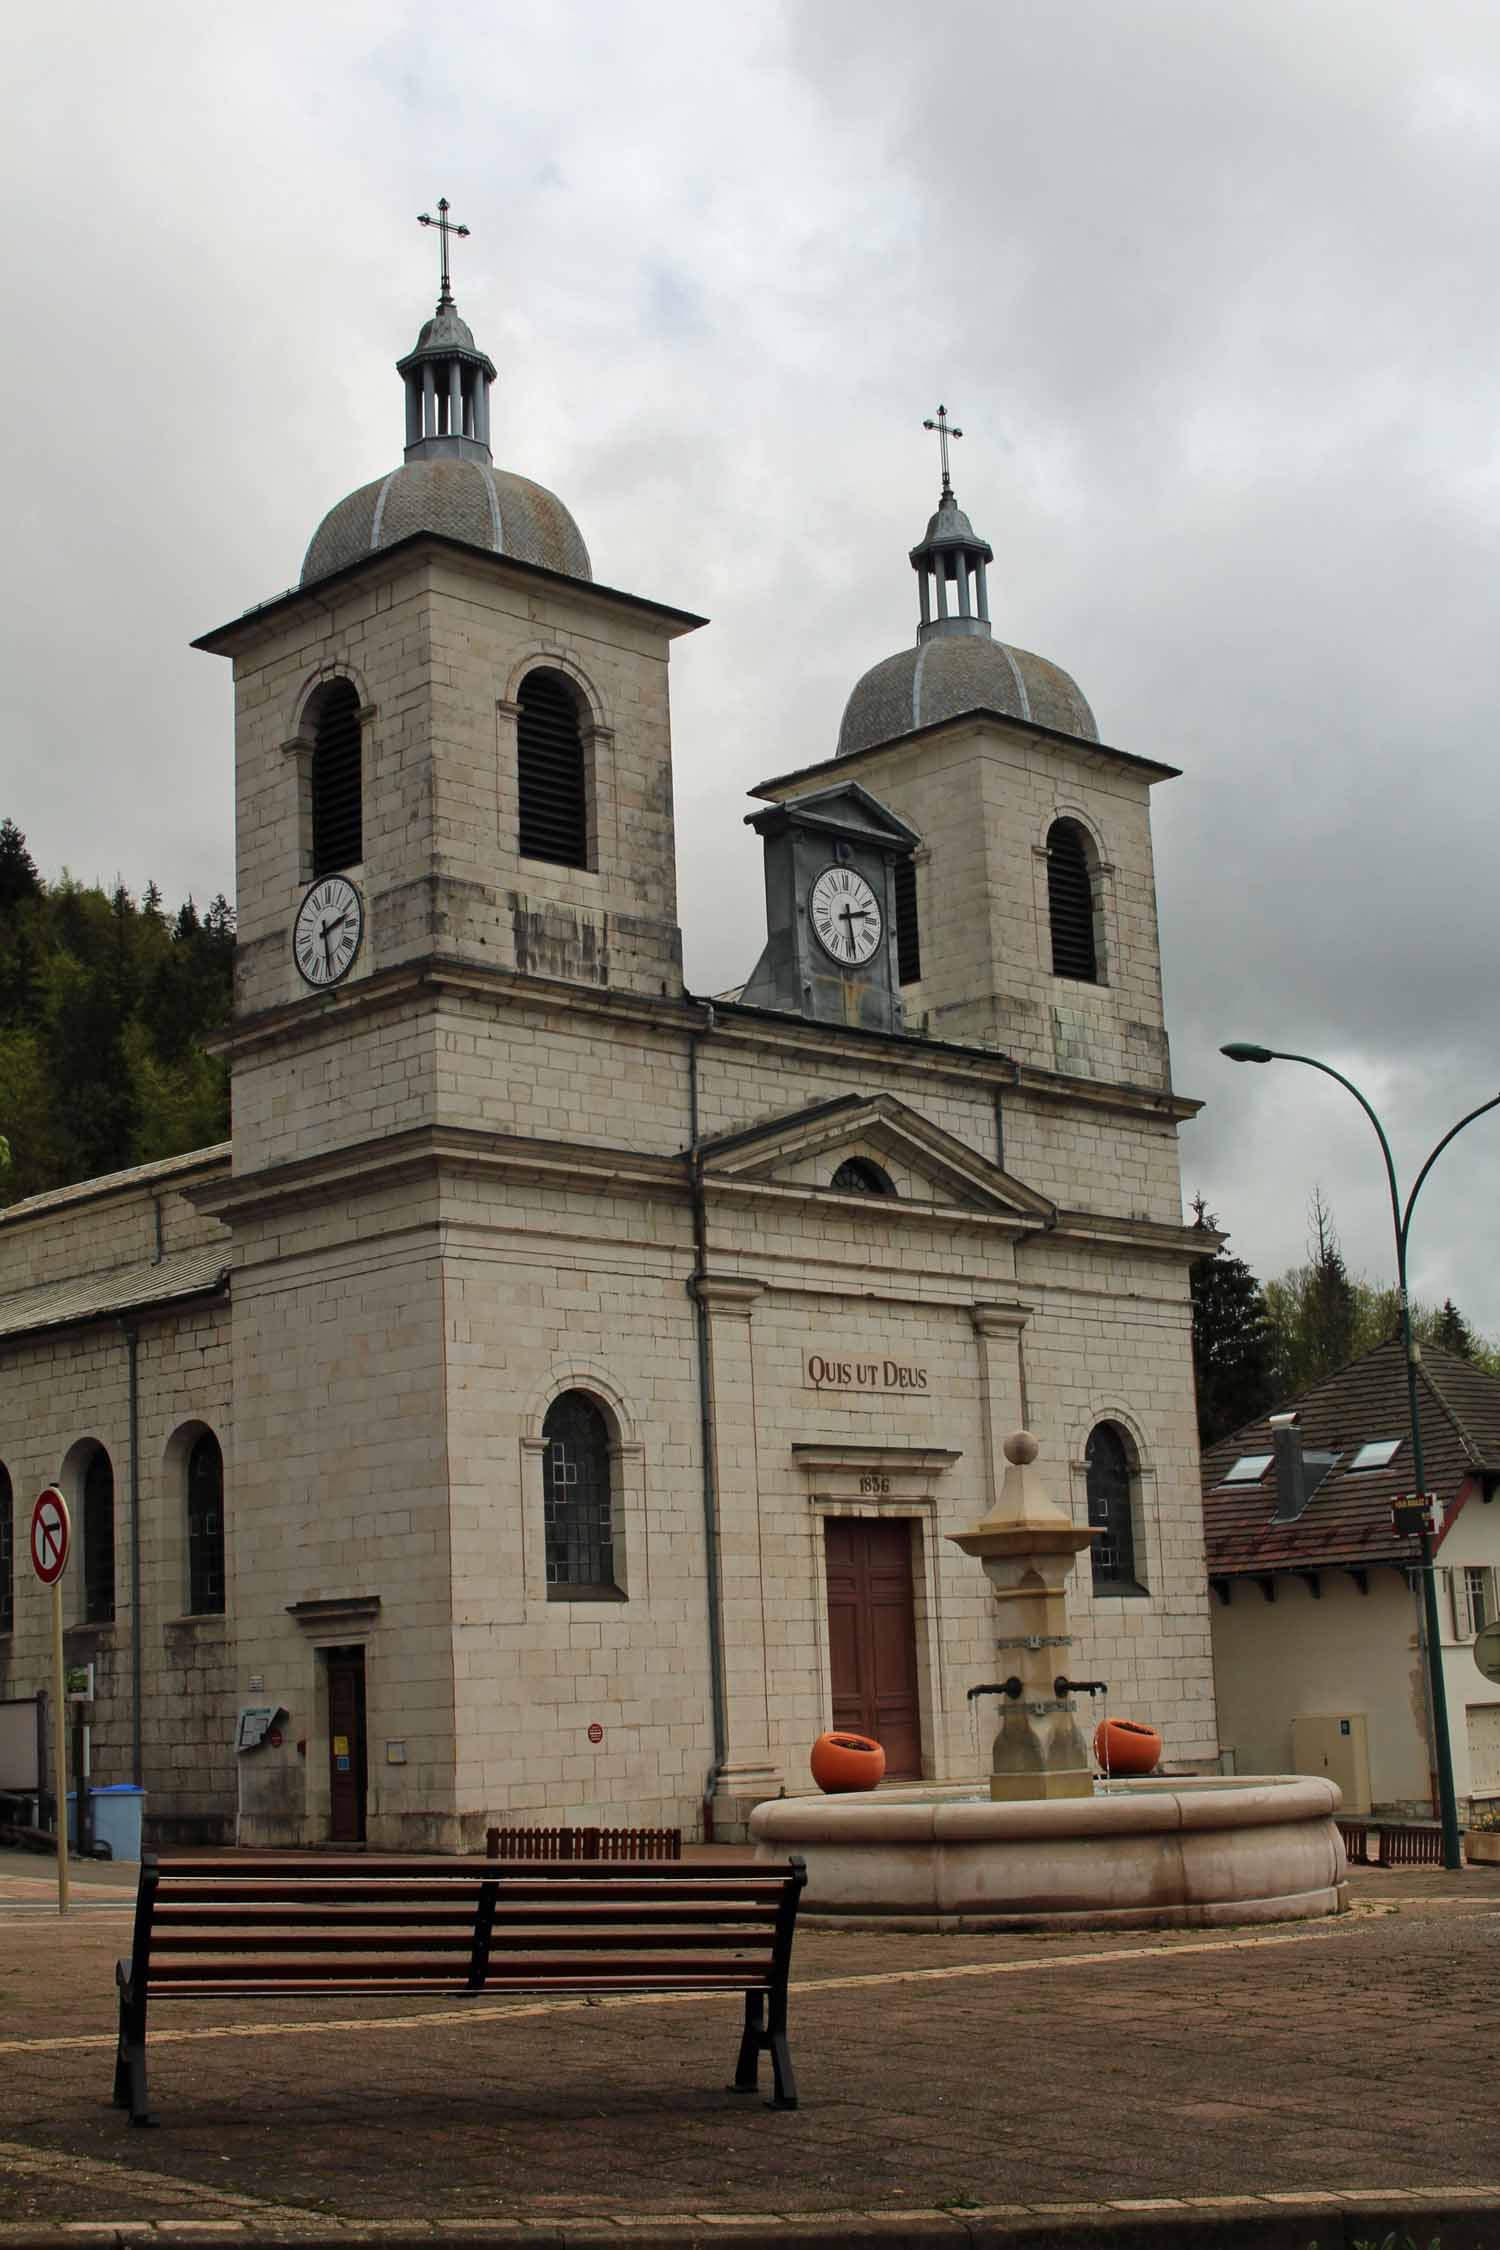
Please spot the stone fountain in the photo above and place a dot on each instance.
(1043, 1851)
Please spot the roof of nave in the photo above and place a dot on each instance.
(164, 1171)
(142, 1287)
(1347, 1521)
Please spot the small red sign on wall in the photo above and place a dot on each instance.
(596, 1732)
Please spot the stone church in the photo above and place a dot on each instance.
(554, 1400)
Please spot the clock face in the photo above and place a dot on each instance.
(845, 916)
(325, 936)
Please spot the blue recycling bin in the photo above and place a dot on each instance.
(117, 1814)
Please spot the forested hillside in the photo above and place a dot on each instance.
(105, 1003)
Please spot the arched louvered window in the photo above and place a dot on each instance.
(908, 931)
(205, 1526)
(337, 785)
(552, 780)
(577, 1501)
(98, 1539)
(7, 1553)
(1107, 1471)
(1070, 903)
(857, 1175)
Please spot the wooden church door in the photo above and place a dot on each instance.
(872, 1637)
(346, 1744)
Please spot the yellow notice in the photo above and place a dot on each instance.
(341, 1745)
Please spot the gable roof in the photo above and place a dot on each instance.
(1348, 1519)
(881, 1123)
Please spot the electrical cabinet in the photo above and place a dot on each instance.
(1335, 1745)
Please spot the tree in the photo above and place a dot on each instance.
(1315, 1310)
(18, 876)
(1234, 1364)
(1453, 1332)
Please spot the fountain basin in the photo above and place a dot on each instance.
(1158, 1854)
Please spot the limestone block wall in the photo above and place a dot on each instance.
(342, 1497)
(63, 1394)
(98, 1226)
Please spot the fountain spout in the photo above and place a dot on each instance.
(1012, 1687)
(1062, 1686)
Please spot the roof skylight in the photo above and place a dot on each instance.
(1249, 1469)
(1378, 1454)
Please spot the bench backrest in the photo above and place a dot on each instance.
(369, 1924)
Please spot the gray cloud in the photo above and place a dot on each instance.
(1211, 290)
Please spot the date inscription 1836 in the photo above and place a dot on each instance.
(825, 1372)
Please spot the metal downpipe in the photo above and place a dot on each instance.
(707, 1441)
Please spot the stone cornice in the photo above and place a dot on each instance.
(1099, 1229)
(763, 1029)
(1000, 1320)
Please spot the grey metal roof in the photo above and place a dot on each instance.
(942, 678)
(467, 500)
(59, 1304)
(159, 1172)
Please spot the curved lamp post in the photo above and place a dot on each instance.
(1240, 1050)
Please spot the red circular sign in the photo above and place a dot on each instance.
(596, 1732)
(51, 1536)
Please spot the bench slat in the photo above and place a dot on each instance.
(266, 1914)
(299, 1970)
(300, 1867)
(375, 1987)
(519, 1892)
(518, 1941)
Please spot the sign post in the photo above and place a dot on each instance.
(51, 1538)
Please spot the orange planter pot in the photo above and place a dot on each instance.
(1124, 1747)
(846, 1761)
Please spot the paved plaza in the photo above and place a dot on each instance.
(1319, 2082)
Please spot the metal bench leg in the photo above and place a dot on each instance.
(752, 2039)
(130, 2061)
(781, 2056)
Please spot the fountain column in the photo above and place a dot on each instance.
(1027, 1546)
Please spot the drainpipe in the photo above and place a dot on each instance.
(132, 1365)
(706, 1439)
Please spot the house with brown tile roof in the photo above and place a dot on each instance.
(1317, 1617)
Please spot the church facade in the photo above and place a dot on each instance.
(554, 1400)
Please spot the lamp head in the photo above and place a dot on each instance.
(1240, 1050)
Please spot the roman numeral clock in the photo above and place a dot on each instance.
(831, 861)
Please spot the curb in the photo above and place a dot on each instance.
(1366, 2219)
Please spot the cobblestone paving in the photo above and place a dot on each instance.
(938, 2073)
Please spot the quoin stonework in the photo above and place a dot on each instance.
(556, 1398)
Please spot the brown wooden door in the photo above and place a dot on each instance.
(346, 1744)
(872, 1637)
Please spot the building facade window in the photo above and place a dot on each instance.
(99, 1539)
(1070, 903)
(7, 1553)
(337, 780)
(551, 772)
(577, 1499)
(205, 1526)
(1107, 1469)
(908, 930)
(859, 1175)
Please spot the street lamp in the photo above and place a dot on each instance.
(1240, 1050)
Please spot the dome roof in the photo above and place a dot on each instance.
(943, 677)
(463, 499)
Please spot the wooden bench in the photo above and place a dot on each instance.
(1399, 1843)
(251, 1928)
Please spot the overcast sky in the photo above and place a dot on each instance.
(1212, 291)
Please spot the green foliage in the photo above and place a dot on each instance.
(104, 1010)
(1234, 1345)
(1254, 1347)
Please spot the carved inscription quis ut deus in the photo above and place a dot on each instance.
(825, 1372)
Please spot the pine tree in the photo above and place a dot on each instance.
(1453, 1332)
(1233, 1342)
(18, 876)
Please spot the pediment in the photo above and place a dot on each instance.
(846, 810)
(804, 1148)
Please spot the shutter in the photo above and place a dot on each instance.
(1458, 1603)
(1070, 904)
(550, 773)
(908, 934)
(337, 807)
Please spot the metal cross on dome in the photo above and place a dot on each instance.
(445, 227)
(945, 430)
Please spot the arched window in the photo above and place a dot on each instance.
(1070, 903)
(552, 781)
(205, 1526)
(857, 1175)
(577, 1505)
(1108, 1472)
(337, 786)
(98, 1539)
(7, 1553)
